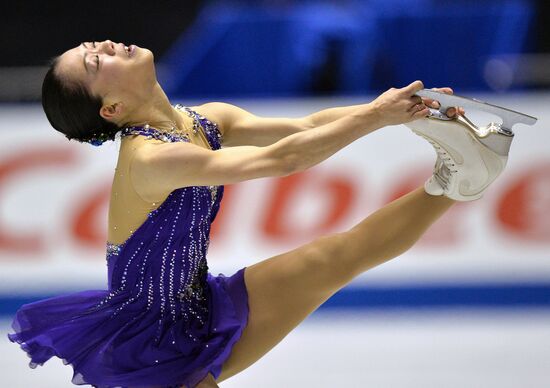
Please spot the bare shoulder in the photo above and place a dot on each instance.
(222, 113)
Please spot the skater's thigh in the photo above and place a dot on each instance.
(282, 291)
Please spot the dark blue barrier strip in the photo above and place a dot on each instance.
(509, 295)
(444, 296)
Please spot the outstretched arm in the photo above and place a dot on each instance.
(240, 127)
(328, 115)
(158, 168)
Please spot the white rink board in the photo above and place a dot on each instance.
(54, 193)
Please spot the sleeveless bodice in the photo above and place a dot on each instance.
(166, 256)
(165, 320)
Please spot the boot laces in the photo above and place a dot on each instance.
(442, 174)
(444, 167)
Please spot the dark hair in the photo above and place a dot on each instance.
(72, 110)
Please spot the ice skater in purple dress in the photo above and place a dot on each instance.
(165, 321)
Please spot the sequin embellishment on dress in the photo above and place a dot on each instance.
(164, 319)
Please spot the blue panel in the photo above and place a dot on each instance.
(357, 47)
(513, 295)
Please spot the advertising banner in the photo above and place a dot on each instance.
(54, 197)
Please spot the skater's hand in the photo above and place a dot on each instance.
(436, 105)
(398, 106)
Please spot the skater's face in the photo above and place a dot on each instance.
(109, 71)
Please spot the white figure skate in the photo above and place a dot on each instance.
(469, 158)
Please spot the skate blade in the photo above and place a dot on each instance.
(509, 117)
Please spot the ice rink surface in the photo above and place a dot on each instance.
(400, 349)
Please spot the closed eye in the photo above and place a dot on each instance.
(97, 56)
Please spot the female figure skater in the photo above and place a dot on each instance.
(165, 321)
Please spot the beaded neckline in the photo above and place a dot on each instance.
(170, 135)
(153, 133)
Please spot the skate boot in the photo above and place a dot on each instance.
(469, 158)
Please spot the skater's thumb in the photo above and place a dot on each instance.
(414, 87)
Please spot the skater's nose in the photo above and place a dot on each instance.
(107, 47)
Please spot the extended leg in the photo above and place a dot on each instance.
(285, 289)
(393, 229)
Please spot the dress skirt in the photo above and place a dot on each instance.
(108, 351)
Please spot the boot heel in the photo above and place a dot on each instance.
(498, 142)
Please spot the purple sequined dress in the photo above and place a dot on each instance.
(165, 321)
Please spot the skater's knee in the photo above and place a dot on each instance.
(328, 254)
(327, 247)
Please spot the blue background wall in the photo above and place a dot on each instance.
(351, 47)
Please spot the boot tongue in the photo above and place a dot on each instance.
(434, 185)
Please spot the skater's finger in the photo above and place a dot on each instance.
(416, 100)
(459, 110)
(453, 111)
(414, 87)
(421, 113)
(446, 90)
(432, 103)
(416, 107)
